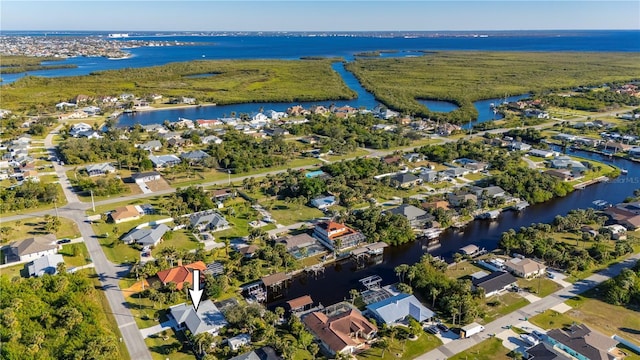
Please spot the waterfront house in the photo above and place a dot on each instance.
(398, 308)
(583, 343)
(525, 268)
(417, 217)
(345, 331)
(296, 242)
(336, 236)
(633, 207)
(489, 192)
(141, 178)
(208, 123)
(565, 162)
(99, 169)
(542, 153)
(181, 274)
(323, 202)
(459, 199)
(33, 248)
(404, 180)
(45, 265)
(208, 318)
(494, 283)
(563, 174)
(146, 236)
(440, 204)
(634, 152)
(164, 161)
(626, 218)
(125, 213)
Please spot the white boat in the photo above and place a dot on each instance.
(624, 171)
(431, 233)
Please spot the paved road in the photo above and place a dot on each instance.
(497, 326)
(108, 273)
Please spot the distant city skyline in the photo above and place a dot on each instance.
(305, 15)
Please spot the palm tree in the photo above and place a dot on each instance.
(434, 292)
(203, 341)
(354, 294)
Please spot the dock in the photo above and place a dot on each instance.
(584, 184)
(521, 205)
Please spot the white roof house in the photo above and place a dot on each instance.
(45, 265)
(207, 319)
(397, 308)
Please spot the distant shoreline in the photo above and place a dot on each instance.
(177, 107)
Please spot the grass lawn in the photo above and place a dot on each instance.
(117, 251)
(604, 317)
(62, 200)
(424, 343)
(291, 213)
(182, 239)
(490, 349)
(547, 286)
(475, 177)
(551, 320)
(26, 228)
(12, 271)
(80, 258)
(508, 302)
(462, 269)
(171, 348)
(354, 154)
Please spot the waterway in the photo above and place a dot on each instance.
(339, 278)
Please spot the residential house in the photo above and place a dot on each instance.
(238, 341)
(164, 161)
(398, 308)
(249, 251)
(79, 128)
(276, 131)
(625, 218)
(208, 319)
(152, 145)
(208, 221)
(297, 110)
(519, 146)
(319, 109)
(297, 242)
(564, 174)
(346, 332)
(525, 268)
(194, 157)
(188, 100)
(275, 115)
(222, 194)
(404, 180)
(617, 231)
(634, 152)
(476, 166)
(337, 236)
(494, 283)
(155, 128)
(459, 199)
(126, 213)
(536, 113)
(323, 202)
(208, 123)
(146, 236)
(100, 169)
(542, 153)
(416, 216)
(454, 172)
(263, 353)
(441, 204)
(565, 162)
(141, 178)
(64, 104)
(181, 274)
(583, 343)
(211, 139)
(614, 146)
(543, 351)
(428, 175)
(490, 191)
(45, 265)
(178, 142)
(633, 207)
(392, 160)
(33, 248)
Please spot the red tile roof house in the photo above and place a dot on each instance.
(337, 236)
(345, 333)
(181, 274)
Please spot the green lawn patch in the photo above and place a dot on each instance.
(16, 270)
(171, 348)
(75, 254)
(503, 304)
(545, 286)
(290, 213)
(490, 349)
(462, 269)
(404, 349)
(30, 227)
(181, 239)
(551, 320)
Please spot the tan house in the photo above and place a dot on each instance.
(125, 213)
(347, 332)
(525, 268)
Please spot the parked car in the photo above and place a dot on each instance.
(443, 327)
(432, 329)
(550, 275)
(64, 241)
(537, 334)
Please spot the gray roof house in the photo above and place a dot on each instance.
(429, 175)
(323, 202)
(264, 353)
(581, 342)
(519, 145)
(153, 145)
(45, 265)
(455, 172)
(404, 180)
(416, 216)
(297, 241)
(491, 191)
(35, 247)
(208, 220)
(565, 162)
(146, 236)
(164, 160)
(207, 319)
(99, 169)
(458, 199)
(398, 308)
(194, 156)
(495, 282)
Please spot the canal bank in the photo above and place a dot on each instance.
(334, 283)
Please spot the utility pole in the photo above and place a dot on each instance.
(93, 204)
(229, 172)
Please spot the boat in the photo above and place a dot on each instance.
(624, 171)
(431, 233)
(118, 35)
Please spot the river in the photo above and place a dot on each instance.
(339, 278)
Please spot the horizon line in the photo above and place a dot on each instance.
(315, 31)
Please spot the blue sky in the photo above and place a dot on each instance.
(305, 15)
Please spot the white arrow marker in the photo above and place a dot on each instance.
(196, 293)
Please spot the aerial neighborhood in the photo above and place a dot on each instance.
(324, 231)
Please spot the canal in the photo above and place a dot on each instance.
(339, 278)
